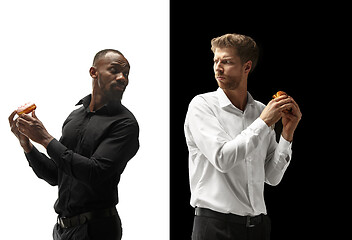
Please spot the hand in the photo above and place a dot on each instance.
(24, 140)
(33, 128)
(275, 108)
(290, 120)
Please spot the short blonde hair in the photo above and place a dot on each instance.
(247, 48)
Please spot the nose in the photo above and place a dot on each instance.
(218, 67)
(122, 77)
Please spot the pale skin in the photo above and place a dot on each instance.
(231, 75)
(109, 81)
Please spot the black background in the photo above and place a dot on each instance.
(300, 53)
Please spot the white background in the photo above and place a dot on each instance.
(46, 50)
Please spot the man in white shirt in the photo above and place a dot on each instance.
(232, 147)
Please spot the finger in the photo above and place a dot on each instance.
(283, 102)
(22, 125)
(280, 98)
(22, 130)
(293, 111)
(295, 103)
(11, 121)
(26, 117)
(286, 106)
(22, 122)
(34, 115)
(288, 115)
(296, 107)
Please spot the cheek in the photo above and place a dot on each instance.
(233, 71)
(102, 81)
(99, 81)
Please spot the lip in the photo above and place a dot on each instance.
(219, 78)
(120, 84)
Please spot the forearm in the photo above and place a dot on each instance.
(108, 159)
(222, 151)
(278, 161)
(26, 145)
(42, 166)
(47, 138)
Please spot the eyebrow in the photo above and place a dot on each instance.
(224, 58)
(121, 64)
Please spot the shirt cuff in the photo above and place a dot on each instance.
(284, 145)
(55, 150)
(284, 148)
(260, 128)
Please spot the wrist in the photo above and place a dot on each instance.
(27, 146)
(267, 121)
(45, 142)
(287, 136)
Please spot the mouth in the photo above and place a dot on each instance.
(220, 78)
(120, 84)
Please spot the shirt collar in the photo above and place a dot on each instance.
(85, 101)
(110, 108)
(224, 101)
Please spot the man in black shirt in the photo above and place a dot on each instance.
(98, 139)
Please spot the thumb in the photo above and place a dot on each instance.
(34, 115)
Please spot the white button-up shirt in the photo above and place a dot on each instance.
(231, 154)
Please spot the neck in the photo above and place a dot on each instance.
(99, 100)
(238, 97)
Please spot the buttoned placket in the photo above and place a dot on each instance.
(249, 164)
(83, 129)
(248, 159)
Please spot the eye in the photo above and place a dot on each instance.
(113, 70)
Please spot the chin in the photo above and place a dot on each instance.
(114, 95)
(228, 86)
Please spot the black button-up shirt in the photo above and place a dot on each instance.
(87, 162)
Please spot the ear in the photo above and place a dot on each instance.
(248, 66)
(93, 72)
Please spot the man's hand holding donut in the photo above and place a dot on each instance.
(27, 127)
(290, 120)
(284, 107)
(24, 140)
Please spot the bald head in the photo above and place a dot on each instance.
(103, 53)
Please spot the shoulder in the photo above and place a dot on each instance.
(126, 119)
(204, 99)
(202, 105)
(127, 114)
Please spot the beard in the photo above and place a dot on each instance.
(228, 83)
(110, 89)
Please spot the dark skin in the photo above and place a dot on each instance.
(110, 79)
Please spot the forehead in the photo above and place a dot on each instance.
(225, 53)
(113, 58)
